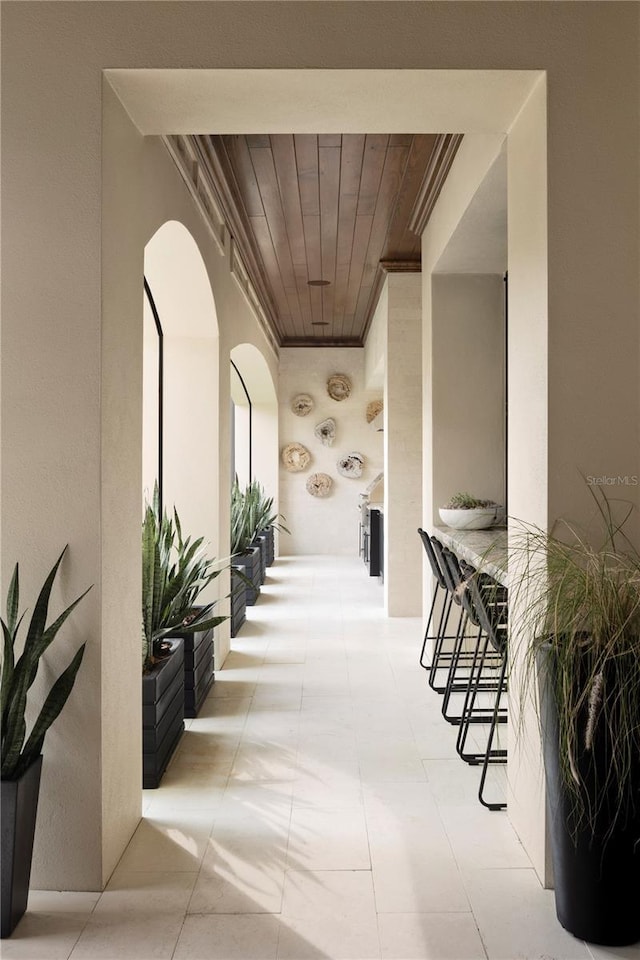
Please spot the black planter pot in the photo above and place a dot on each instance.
(597, 875)
(162, 714)
(238, 602)
(261, 542)
(250, 564)
(19, 805)
(271, 546)
(198, 667)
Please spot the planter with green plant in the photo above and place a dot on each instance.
(267, 521)
(577, 612)
(464, 512)
(238, 600)
(174, 573)
(22, 755)
(246, 556)
(252, 515)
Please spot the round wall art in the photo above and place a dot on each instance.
(326, 432)
(351, 465)
(302, 404)
(339, 386)
(319, 484)
(296, 457)
(373, 409)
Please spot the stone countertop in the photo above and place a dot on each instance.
(486, 549)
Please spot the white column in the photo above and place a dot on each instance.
(403, 446)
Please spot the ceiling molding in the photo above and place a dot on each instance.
(401, 266)
(324, 342)
(184, 156)
(215, 209)
(229, 198)
(439, 165)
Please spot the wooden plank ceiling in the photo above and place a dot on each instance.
(319, 219)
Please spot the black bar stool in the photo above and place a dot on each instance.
(440, 658)
(488, 659)
(489, 599)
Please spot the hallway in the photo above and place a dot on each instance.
(314, 809)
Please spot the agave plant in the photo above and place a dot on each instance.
(18, 750)
(175, 571)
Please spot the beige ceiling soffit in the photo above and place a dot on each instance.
(241, 276)
(185, 159)
(441, 159)
(229, 198)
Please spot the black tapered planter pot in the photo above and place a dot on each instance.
(19, 805)
(162, 714)
(596, 876)
(238, 602)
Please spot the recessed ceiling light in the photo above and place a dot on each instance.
(318, 283)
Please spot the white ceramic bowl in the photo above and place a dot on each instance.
(479, 518)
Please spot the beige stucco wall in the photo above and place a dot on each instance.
(325, 525)
(71, 469)
(468, 389)
(403, 445)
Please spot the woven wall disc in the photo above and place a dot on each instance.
(296, 457)
(351, 466)
(339, 386)
(373, 409)
(302, 404)
(326, 431)
(319, 484)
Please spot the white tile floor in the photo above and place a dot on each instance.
(314, 809)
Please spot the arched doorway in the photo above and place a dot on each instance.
(254, 411)
(180, 416)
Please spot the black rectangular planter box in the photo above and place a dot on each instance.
(198, 668)
(268, 532)
(250, 563)
(162, 714)
(261, 542)
(198, 673)
(19, 805)
(238, 603)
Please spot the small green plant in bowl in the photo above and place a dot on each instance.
(465, 512)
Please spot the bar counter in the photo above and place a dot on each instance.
(482, 548)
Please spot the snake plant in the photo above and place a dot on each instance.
(175, 571)
(18, 675)
(251, 512)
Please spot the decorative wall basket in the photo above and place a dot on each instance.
(351, 466)
(326, 432)
(339, 386)
(373, 409)
(319, 484)
(295, 457)
(302, 404)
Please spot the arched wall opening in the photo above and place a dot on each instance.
(255, 412)
(179, 283)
